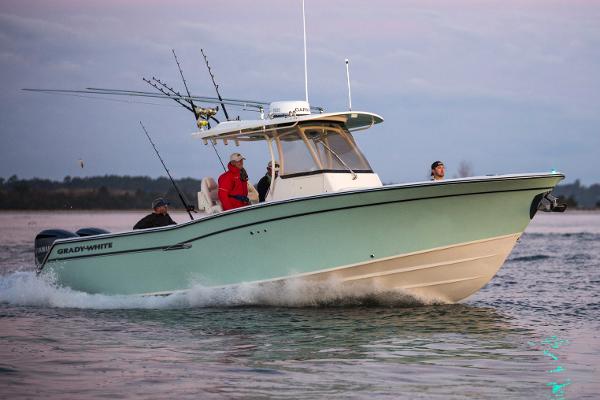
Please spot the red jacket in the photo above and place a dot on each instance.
(230, 184)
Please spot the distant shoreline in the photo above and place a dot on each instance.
(133, 193)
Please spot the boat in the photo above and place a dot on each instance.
(327, 218)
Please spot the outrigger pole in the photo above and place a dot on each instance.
(187, 207)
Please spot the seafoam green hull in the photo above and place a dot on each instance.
(300, 237)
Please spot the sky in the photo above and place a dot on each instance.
(505, 86)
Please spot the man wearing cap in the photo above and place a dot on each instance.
(265, 182)
(437, 171)
(160, 216)
(233, 184)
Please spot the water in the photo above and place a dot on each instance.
(533, 332)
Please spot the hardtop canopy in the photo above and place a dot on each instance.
(253, 130)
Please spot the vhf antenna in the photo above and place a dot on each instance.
(305, 68)
(187, 207)
(349, 92)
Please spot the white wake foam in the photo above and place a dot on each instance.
(27, 289)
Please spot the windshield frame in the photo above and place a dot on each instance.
(319, 158)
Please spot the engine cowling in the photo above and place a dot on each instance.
(91, 231)
(44, 239)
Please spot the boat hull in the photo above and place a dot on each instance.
(446, 274)
(442, 241)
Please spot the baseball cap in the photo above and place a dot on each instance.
(236, 157)
(436, 164)
(159, 202)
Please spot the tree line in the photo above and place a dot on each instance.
(577, 195)
(109, 192)
(113, 192)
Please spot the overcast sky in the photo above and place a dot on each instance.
(508, 86)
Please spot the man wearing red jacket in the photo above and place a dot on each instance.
(233, 184)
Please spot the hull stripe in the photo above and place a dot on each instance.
(418, 268)
(421, 285)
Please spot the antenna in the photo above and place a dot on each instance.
(305, 69)
(349, 92)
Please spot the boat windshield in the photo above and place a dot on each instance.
(319, 147)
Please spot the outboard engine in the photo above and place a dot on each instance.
(546, 202)
(44, 240)
(91, 231)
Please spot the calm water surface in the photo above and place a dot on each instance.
(533, 332)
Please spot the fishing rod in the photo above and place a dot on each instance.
(177, 99)
(206, 113)
(201, 114)
(187, 207)
(197, 114)
(212, 77)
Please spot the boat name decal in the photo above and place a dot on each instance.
(89, 247)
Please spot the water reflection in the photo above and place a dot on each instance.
(321, 351)
(415, 334)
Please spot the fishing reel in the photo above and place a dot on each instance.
(201, 123)
(206, 112)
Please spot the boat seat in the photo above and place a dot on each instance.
(208, 196)
(252, 193)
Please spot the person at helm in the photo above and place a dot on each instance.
(265, 182)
